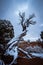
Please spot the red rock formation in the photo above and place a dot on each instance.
(25, 44)
(33, 61)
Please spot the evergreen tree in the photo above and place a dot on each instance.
(41, 35)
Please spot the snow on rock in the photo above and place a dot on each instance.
(36, 49)
(37, 55)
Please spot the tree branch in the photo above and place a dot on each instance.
(24, 52)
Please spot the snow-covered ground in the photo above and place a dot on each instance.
(37, 55)
(13, 52)
(36, 49)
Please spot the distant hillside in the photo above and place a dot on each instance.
(32, 47)
(25, 44)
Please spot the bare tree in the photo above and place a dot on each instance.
(7, 33)
(22, 35)
(22, 16)
(25, 23)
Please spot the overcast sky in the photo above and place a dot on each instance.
(9, 10)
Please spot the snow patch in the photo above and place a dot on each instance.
(37, 54)
(36, 49)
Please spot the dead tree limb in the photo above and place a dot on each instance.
(24, 52)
